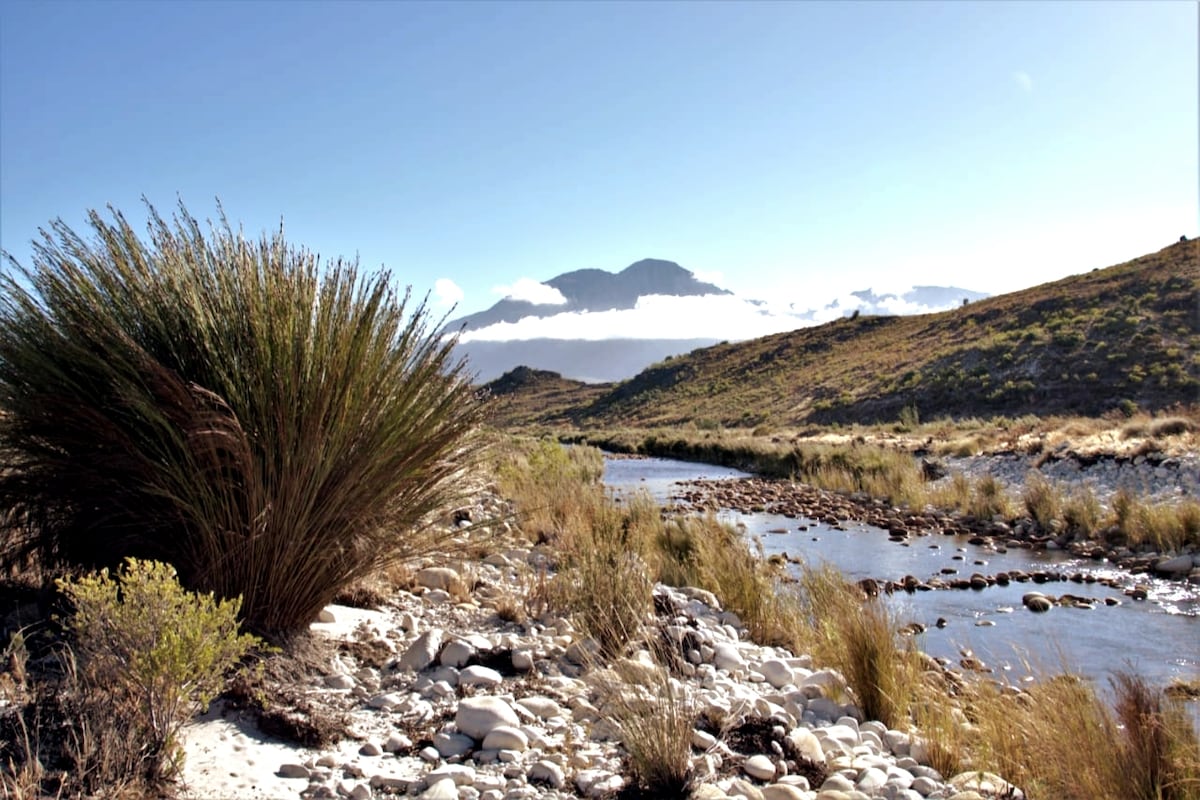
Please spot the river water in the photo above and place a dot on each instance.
(1158, 638)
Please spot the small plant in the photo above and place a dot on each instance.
(653, 715)
(1082, 511)
(989, 499)
(1042, 500)
(154, 649)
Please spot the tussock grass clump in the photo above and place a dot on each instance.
(1042, 500)
(275, 427)
(607, 587)
(702, 551)
(1081, 511)
(1165, 527)
(653, 715)
(555, 489)
(859, 636)
(989, 499)
(1059, 739)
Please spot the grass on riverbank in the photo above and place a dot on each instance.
(893, 473)
(1057, 739)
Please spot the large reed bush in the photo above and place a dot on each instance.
(273, 426)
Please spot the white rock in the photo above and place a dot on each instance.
(786, 791)
(837, 783)
(924, 786)
(777, 672)
(423, 652)
(477, 716)
(548, 772)
(339, 681)
(461, 774)
(505, 737)
(478, 675)
(823, 682)
(450, 745)
(522, 660)
(387, 701)
(443, 578)
(727, 657)
(396, 741)
(703, 740)
(456, 653)
(540, 706)
(445, 789)
(871, 779)
(759, 767)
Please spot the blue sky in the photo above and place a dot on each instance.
(789, 151)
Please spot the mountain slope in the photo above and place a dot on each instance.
(1085, 344)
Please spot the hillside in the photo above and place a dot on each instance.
(1081, 345)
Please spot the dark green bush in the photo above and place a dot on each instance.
(275, 427)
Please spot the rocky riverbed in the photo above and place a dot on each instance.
(1159, 480)
(439, 696)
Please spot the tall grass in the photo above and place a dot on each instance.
(1060, 739)
(272, 426)
(859, 636)
(653, 715)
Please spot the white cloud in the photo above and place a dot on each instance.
(446, 293)
(1023, 80)
(719, 317)
(654, 317)
(713, 276)
(531, 291)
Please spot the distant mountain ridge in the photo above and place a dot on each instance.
(596, 290)
(623, 354)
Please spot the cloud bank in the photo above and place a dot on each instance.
(531, 291)
(717, 317)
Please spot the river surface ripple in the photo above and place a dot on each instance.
(1158, 638)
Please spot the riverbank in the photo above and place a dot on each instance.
(1138, 510)
(567, 646)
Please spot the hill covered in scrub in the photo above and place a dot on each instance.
(1116, 338)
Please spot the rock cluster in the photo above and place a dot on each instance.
(471, 707)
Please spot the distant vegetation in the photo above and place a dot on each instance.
(1122, 338)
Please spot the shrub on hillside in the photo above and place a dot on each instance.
(275, 427)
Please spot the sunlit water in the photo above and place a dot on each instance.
(1158, 638)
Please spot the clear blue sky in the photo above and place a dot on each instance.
(781, 148)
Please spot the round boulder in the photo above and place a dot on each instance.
(478, 716)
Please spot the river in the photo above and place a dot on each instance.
(1158, 638)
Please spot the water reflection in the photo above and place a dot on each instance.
(1159, 638)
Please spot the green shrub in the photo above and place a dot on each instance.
(275, 427)
(154, 650)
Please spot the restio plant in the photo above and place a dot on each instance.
(157, 653)
(274, 426)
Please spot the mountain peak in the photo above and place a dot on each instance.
(599, 290)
